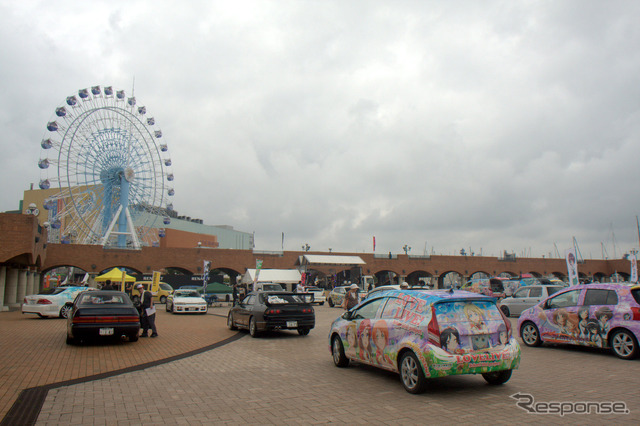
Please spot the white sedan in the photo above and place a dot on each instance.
(182, 301)
(318, 294)
(50, 302)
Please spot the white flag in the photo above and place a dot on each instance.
(572, 266)
(634, 268)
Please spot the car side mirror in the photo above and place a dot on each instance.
(346, 315)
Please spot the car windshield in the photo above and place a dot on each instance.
(553, 289)
(187, 293)
(314, 289)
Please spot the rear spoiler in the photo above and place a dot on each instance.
(306, 297)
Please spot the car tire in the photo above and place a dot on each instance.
(65, 311)
(253, 327)
(166, 307)
(230, 324)
(497, 377)
(505, 311)
(71, 340)
(321, 303)
(411, 374)
(133, 337)
(337, 352)
(303, 331)
(530, 334)
(330, 302)
(623, 344)
(163, 299)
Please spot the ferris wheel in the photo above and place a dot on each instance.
(108, 174)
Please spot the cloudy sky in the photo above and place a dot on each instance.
(489, 126)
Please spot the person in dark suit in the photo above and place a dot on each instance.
(147, 321)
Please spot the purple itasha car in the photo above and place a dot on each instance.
(600, 315)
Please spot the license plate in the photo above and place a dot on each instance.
(292, 323)
(106, 331)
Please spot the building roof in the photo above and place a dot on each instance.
(320, 259)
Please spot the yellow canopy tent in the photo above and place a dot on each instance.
(115, 276)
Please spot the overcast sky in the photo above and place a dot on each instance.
(484, 125)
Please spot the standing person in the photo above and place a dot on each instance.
(107, 285)
(148, 314)
(235, 294)
(351, 298)
(300, 288)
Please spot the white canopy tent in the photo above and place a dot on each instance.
(291, 277)
(327, 259)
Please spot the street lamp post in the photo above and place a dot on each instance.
(406, 249)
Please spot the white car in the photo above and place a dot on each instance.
(526, 297)
(318, 294)
(50, 302)
(182, 301)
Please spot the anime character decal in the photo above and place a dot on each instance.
(450, 340)
(564, 323)
(364, 340)
(380, 337)
(583, 316)
(475, 316)
(603, 316)
(352, 340)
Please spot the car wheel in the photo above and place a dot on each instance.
(330, 302)
(321, 303)
(505, 311)
(411, 373)
(303, 331)
(497, 377)
(133, 337)
(624, 345)
(163, 299)
(337, 351)
(65, 311)
(71, 340)
(230, 323)
(530, 334)
(253, 327)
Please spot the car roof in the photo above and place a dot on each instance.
(434, 296)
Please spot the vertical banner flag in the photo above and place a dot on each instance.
(258, 267)
(283, 241)
(155, 282)
(205, 275)
(124, 279)
(374, 243)
(572, 266)
(634, 268)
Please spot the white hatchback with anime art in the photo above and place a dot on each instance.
(425, 334)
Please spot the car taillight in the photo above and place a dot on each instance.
(307, 310)
(104, 320)
(433, 329)
(272, 311)
(506, 322)
(636, 314)
(44, 302)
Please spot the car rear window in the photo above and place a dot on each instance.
(636, 294)
(598, 296)
(470, 326)
(93, 299)
(51, 291)
(282, 299)
(554, 289)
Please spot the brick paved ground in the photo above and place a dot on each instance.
(33, 351)
(283, 378)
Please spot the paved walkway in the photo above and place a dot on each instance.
(33, 351)
(284, 378)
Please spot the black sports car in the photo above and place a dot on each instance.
(261, 311)
(102, 314)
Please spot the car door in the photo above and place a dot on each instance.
(599, 306)
(362, 320)
(561, 312)
(534, 297)
(243, 310)
(516, 304)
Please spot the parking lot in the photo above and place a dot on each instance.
(284, 378)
